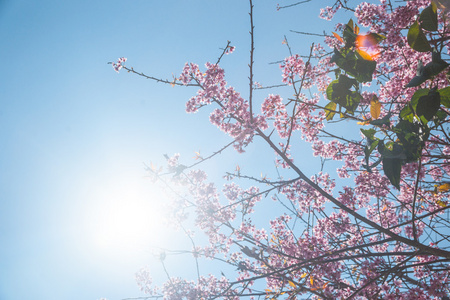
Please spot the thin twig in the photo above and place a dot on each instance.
(173, 82)
(291, 5)
(416, 187)
(309, 33)
(252, 49)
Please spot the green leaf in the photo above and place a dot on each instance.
(352, 101)
(416, 38)
(368, 151)
(420, 76)
(383, 121)
(354, 64)
(392, 168)
(369, 133)
(347, 82)
(436, 66)
(445, 96)
(412, 137)
(436, 57)
(369, 168)
(345, 59)
(349, 36)
(376, 37)
(348, 62)
(428, 106)
(419, 93)
(381, 146)
(408, 112)
(364, 69)
(330, 110)
(373, 145)
(416, 81)
(433, 68)
(394, 150)
(350, 24)
(338, 91)
(441, 116)
(337, 56)
(330, 89)
(428, 18)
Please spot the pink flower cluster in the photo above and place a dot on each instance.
(119, 65)
(328, 12)
(233, 115)
(144, 281)
(230, 49)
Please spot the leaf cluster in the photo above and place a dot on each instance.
(351, 62)
(402, 143)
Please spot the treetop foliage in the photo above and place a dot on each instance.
(378, 227)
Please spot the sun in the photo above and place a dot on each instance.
(126, 217)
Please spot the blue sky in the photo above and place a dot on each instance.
(74, 134)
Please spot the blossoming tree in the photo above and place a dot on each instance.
(379, 229)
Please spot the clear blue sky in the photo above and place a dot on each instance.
(74, 134)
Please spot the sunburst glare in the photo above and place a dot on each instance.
(127, 218)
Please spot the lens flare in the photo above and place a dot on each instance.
(367, 46)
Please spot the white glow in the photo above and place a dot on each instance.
(127, 217)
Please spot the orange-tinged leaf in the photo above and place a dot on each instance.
(268, 291)
(174, 80)
(356, 29)
(330, 110)
(292, 284)
(304, 275)
(364, 54)
(338, 37)
(311, 280)
(325, 285)
(444, 187)
(375, 107)
(198, 155)
(441, 203)
(366, 122)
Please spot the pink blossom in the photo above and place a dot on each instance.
(119, 65)
(230, 49)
